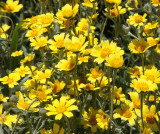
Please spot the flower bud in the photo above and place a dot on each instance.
(6, 105)
(14, 99)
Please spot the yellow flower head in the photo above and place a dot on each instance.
(152, 74)
(2, 98)
(67, 65)
(149, 27)
(56, 130)
(135, 71)
(148, 116)
(57, 86)
(152, 41)
(114, 60)
(131, 5)
(156, 2)
(22, 71)
(102, 120)
(90, 4)
(3, 31)
(24, 102)
(46, 20)
(61, 108)
(90, 119)
(58, 41)
(142, 85)
(104, 50)
(137, 20)
(7, 118)
(83, 26)
(39, 42)
(116, 11)
(115, 2)
(136, 102)
(118, 96)
(35, 32)
(28, 59)
(95, 74)
(76, 44)
(17, 53)
(69, 12)
(11, 79)
(138, 46)
(11, 6)
(42, 93)
(126, 113)
(158, 48)
(42, 77)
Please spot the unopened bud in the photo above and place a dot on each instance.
(14, 99)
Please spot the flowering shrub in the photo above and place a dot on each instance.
(79, 66)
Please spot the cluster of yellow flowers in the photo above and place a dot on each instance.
(76, 78)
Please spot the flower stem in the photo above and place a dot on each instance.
(142, 56)
(68, 124)
(112, 94)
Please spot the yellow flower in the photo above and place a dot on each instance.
(90, 119)
(118, 96)
(83, 26)
(57, 86)
(24, 102)
(149, 28)
(71, 87)
(135, 71)
(156, 2)
(69, 12)
(152, 41)
(22, 71)
(11, 79)
(142, 85)
(3, 31)
(83, 59)
(116, 2)
(42, 93)
(39, 42)
(42, 77)
(147, 131)
(59, 40)
(148, 116)
(137, 20)
(95, 74)
(116, 11)
(11, 6)
(67, 65)
(90, 4)
(35, 32)
(114, 60)
(102, 120)
(152, 74)
(104, 50)
(126, 113)
(158, 48)
(2, 98)
(56, 130)
(136, 102)
(61, 108)
(76, 44)
(130, 7)
(8, 119)
(46, 20)
(28, 59)
(17, 53)
(138, 46)
(89, 87)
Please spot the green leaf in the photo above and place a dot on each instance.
(14, 43)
